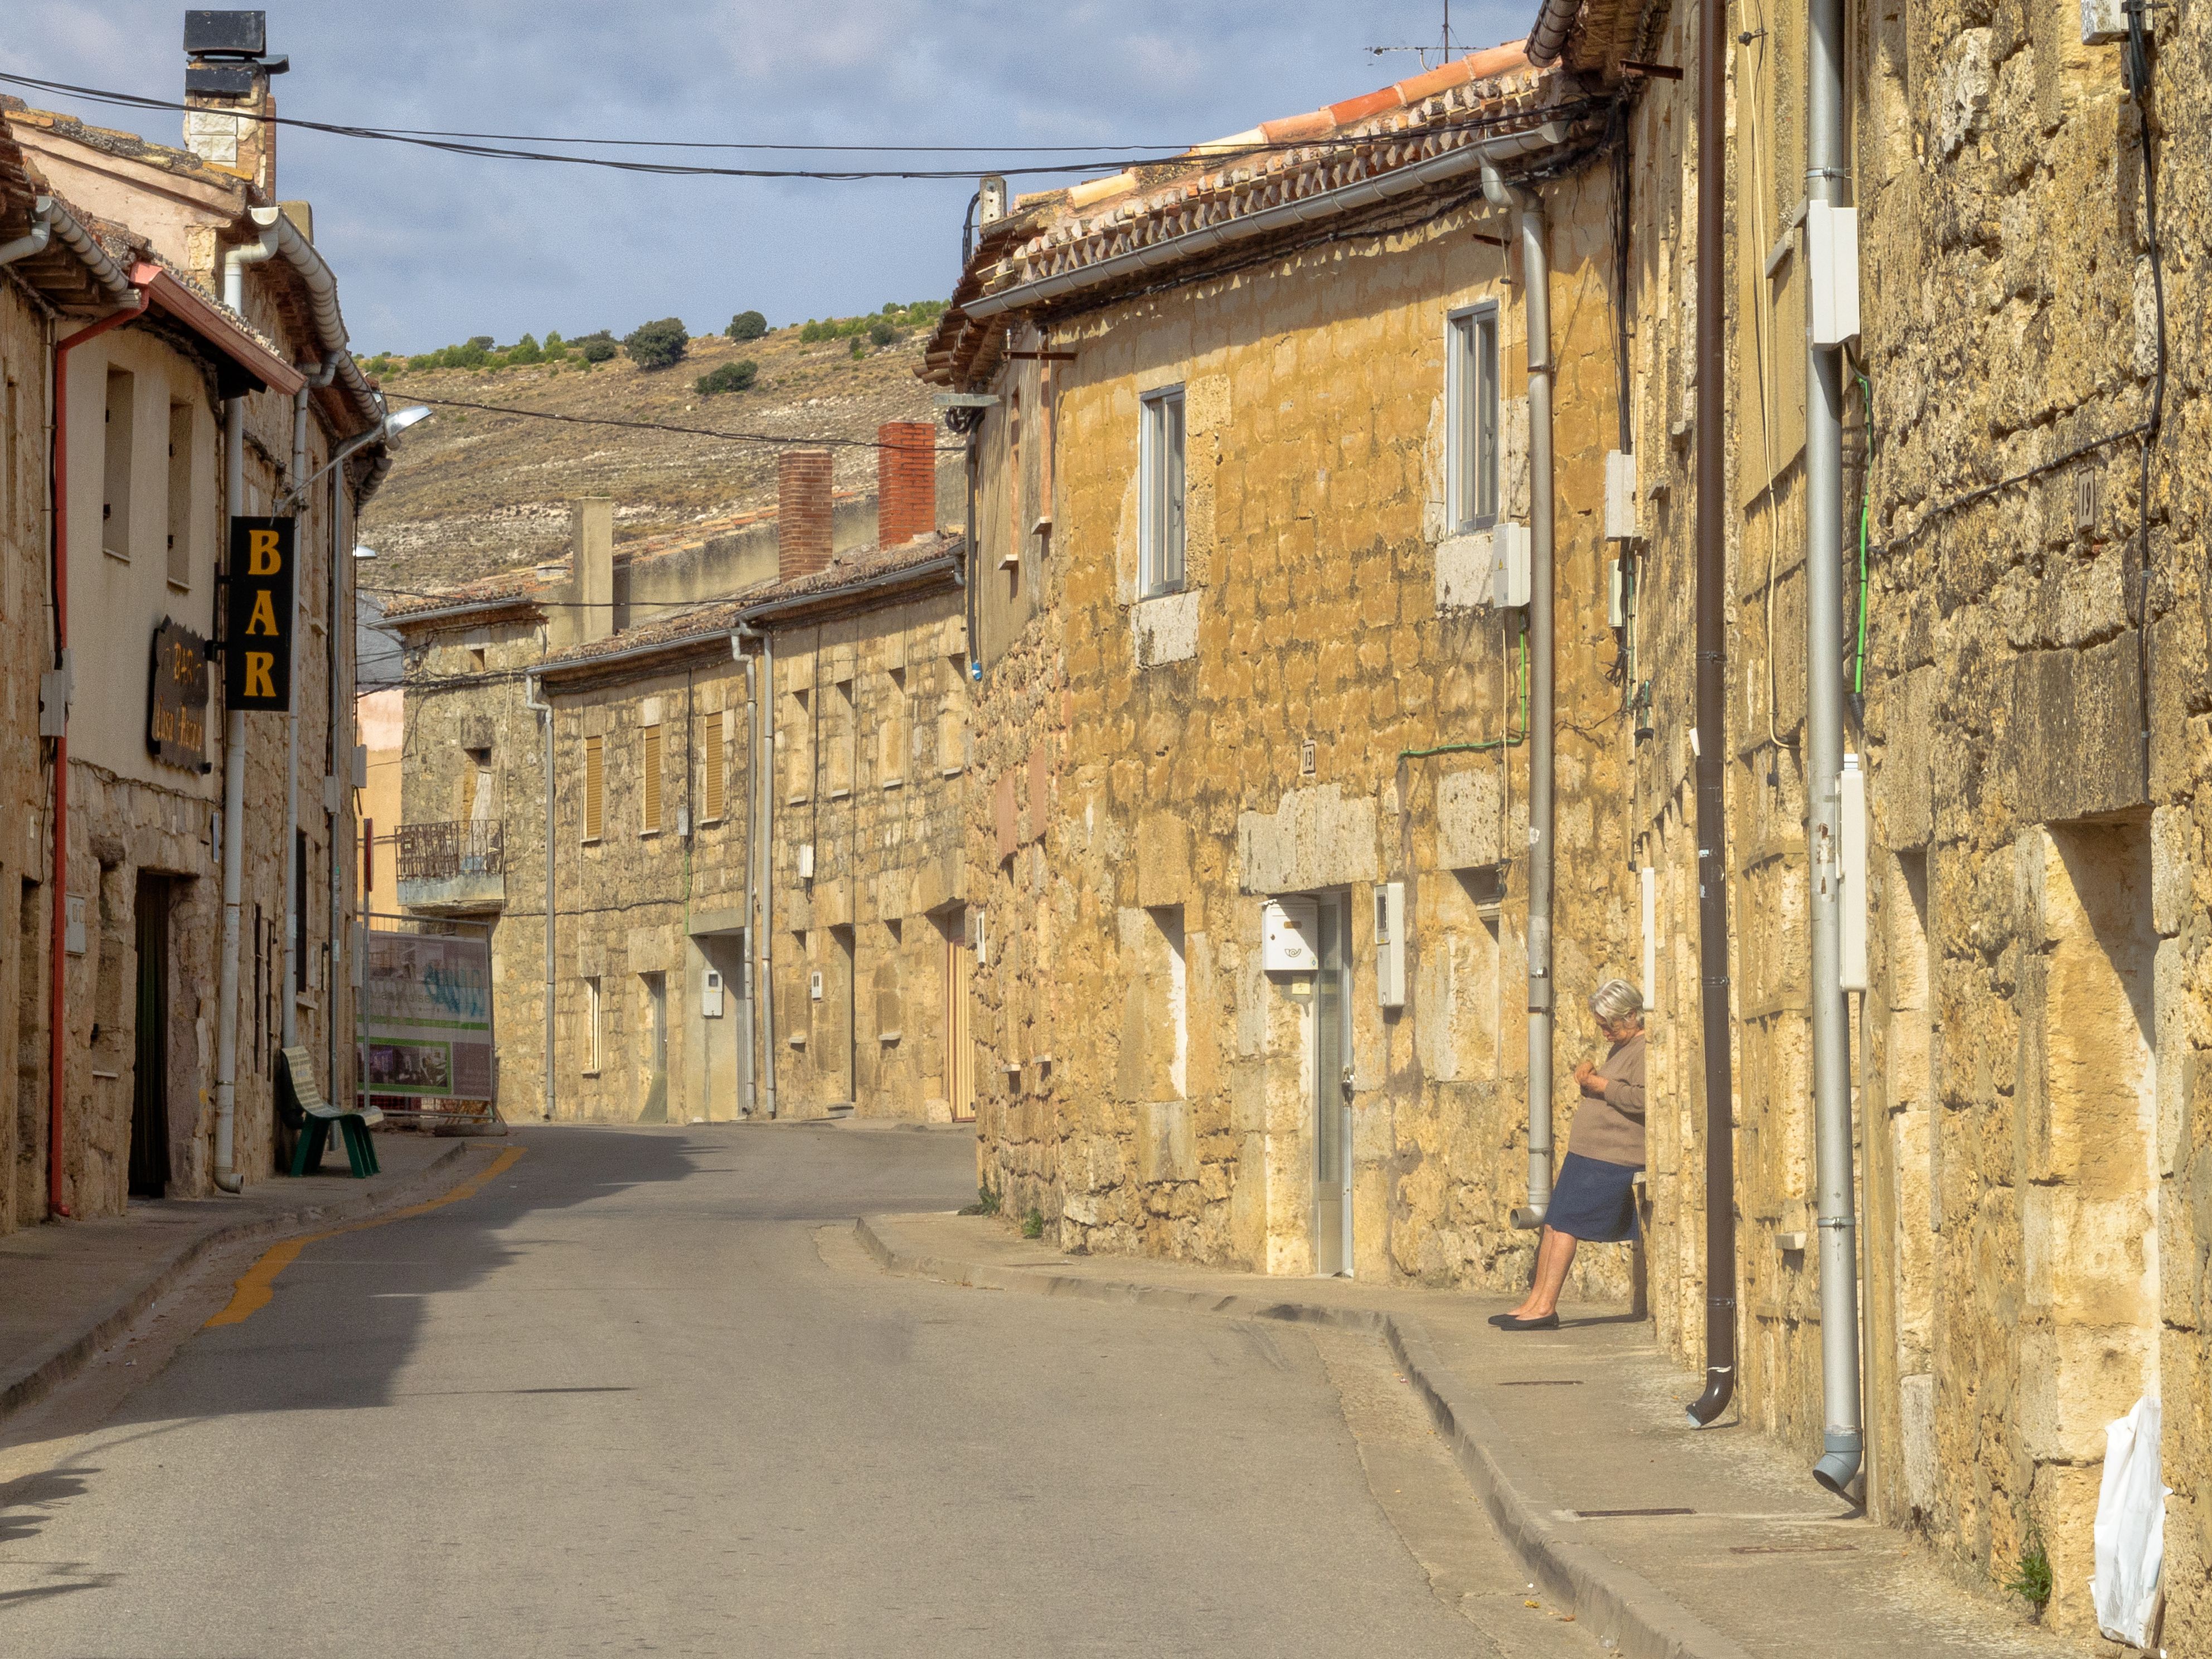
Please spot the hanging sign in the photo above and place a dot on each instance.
(256, 647)
(177, 698)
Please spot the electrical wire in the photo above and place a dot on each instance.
(776, 440)
(2139, 70)
(1122, 158)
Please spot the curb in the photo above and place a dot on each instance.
(43, 1373)
(1609, 1598)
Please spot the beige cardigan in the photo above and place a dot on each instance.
(1611, 1129)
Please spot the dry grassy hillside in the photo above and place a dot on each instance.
(471, 493)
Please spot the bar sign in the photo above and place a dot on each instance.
(257, 657)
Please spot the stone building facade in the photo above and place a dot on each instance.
(114, 250)
(652, 665)
(1318, 700)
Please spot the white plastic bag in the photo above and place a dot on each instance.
(2130, 1530)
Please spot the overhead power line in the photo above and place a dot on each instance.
(779, 440)
(1113, 157)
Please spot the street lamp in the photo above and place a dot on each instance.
(387, 430)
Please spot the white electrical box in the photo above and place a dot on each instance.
(1832, 264)
(2103, 21)
(710, 998)
(806, 860)
(1616, 598)
(814, 985)
(1390, 944)
(1509, 565)
(1287, 930)
(1619, 496)
(73, 925)
(975, 934)
(1852, 889)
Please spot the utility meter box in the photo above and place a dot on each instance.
(814, 985)
(1288, 927)
(1619, 496)
(1832, 262)
(1509, 565)
(710, 998)
(806, 860)
(1390, 944)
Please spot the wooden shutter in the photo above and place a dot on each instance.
(714, 768)
(651, 780)
(595, 787)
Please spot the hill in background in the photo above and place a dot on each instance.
(472, 493)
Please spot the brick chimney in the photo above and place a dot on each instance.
(591, 565)
(906, 481)
(227, 70)
(802, 513)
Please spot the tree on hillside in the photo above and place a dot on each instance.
(595, 348)
(526, 350)
(657, 344)
(729, 377)
(747, 325)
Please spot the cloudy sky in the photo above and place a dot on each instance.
(432, 248)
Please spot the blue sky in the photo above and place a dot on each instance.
(432, 248)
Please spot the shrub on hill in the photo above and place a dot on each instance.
(525, 350)
(729, 377)
(597, 348)
(657, 344)
(747, 325)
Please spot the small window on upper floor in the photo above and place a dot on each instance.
(1160, 494)
(181, 475)
(121, 420)
(1471, 402)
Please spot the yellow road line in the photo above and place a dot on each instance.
(254, 1291)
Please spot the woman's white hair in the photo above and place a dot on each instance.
(1616, 1000)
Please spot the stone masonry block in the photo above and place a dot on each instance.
(1315, 838)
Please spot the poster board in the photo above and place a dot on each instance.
(426, 1017)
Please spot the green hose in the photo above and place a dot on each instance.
(1858, 668)
(1510, 740)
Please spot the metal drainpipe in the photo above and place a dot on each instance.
(747, 1079)
(763, 793)
(1827, 179)
(1536, 277)
(57, 924)
(319, 375)
(1710, 735)
(545, 713)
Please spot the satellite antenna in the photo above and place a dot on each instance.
(1445, 55)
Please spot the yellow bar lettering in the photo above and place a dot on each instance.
(258, 682)
(263, 619)
(262, 558)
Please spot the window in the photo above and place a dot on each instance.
(591, 1026)
(478, 659)
(115, 501)
(797, 744)
(713, 790)
(891, 734)
(1174, 1008)
(180, 495)
(651, 782)
(1160, 488)
(1470, 437)
(594, 785)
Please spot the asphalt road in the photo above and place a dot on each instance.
(633, 1396)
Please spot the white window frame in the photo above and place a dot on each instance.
(1162, 491)
(1474, 436)
(591, 1028)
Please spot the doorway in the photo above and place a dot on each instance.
(959, 1050)
(656, 1049)
(149, 1086)
(1332, 1089)
(836, 1056)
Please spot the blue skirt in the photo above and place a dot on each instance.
(1593, 1201)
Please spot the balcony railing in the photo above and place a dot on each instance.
(438, 851)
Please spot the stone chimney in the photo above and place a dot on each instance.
(591, 566)
(802, 513)
(227, 71)
(906, 481)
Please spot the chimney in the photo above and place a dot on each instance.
(227, 71)
(591, 566)
(802, 513)
(906, 481)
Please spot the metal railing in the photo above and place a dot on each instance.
(467, 847)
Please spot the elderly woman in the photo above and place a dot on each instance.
(1594, 1197)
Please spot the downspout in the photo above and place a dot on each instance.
(1709, 737)
(763, 793)
(1536, 277)
(226, 1178)
(1827, 181)
(57, 1003)
(545, 713)
(36, 240)
(288, 1003)
(748, 1080)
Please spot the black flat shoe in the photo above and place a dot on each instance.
(1501, 1320)
(1549, 1321)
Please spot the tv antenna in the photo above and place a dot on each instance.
(1445, 51)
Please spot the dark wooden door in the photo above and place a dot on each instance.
(150, 1088)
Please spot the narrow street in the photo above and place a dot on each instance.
(636, 1393)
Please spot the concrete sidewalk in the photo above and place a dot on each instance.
(68, 1288)
(1665, 1542)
